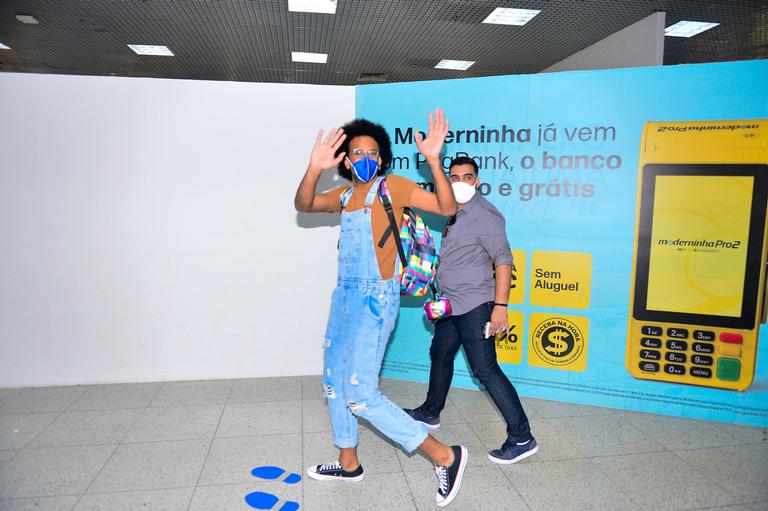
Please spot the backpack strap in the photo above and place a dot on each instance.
(384, 196)
(386, 201)
(385, 236)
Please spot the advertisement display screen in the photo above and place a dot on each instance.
(695, 260)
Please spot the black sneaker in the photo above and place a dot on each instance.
(334, 471)
(419, 416)
(512, 452)
(449, 478)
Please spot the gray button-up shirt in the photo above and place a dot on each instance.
(476, 240)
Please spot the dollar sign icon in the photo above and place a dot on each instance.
(558, 342)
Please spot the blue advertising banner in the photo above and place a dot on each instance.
(558, 156)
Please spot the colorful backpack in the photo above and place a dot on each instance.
(414, 245)
(418, 256)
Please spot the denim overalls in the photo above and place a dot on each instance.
(364, 308)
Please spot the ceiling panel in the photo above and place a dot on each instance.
(399, 40)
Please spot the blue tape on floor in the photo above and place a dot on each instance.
(292, 479)
(261, 500)
(267, 472)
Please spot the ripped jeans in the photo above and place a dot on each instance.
(363, 314)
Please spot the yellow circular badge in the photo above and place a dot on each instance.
(558, 341)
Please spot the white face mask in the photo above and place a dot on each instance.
(463, 192)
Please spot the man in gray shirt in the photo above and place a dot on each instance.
(473, 241)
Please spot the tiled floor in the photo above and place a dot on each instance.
(192, 446)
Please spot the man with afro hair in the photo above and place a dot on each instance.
(366, 300)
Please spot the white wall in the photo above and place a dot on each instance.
(147, 229)
(638, 45)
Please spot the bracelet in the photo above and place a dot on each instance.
(497, 304)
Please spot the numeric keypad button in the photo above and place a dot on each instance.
(703, 335)
(677, 345)
(654, 331)
(675, 357)
(677, 333)
(674, 369)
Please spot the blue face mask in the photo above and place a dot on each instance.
(364, 168)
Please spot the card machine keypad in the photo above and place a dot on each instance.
(706, 350)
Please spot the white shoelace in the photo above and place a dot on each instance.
(330, 466)
(442, 479)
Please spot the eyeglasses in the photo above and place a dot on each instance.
(359, 153)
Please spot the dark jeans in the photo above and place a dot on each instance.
(467, 330)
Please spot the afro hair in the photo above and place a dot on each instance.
(362, 127)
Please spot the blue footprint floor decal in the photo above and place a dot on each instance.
(261, 500)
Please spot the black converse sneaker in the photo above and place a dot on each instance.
(512, 452)
(334, 470)
(449, 478)
(419, 416)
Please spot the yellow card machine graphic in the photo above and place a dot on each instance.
(698, 288)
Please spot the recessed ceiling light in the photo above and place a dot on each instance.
(506, 16)
(454, 64)
(688, 28)
(4, 47)
(150, 49)
(27, 19)
(321, 6)
(315, 58)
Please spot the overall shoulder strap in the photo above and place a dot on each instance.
(345, 195)
(372, 191)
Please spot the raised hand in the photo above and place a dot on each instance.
(323, 155)
(431, 146)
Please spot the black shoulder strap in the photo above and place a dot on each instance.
(448, 224)
(384, 197)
